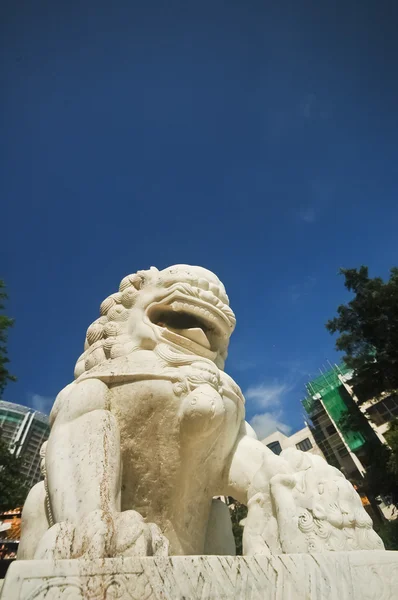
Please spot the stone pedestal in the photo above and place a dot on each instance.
(360, 575)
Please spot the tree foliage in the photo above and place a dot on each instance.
(392, 439)
(5, 324)
(386, 472)
(368, 328)
(238, 513)
(389, 534)
(380, 478)
(13, 488)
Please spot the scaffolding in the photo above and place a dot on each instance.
(328, 392)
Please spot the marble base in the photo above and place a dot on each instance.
(361, 575)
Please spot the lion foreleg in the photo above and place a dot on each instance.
(83, 455)
(83, 464)
(251, 468)
(34, 522)
(83, 472)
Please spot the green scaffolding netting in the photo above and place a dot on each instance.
(337, 409)
(332, 393)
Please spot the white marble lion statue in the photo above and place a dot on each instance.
(152, 429)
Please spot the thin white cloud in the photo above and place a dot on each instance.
(244, 365)
(303, 289)
(308, 214)
(308, 106)
(320, 196)
(41, 403)
(297, 368)
(267, 395)
(266, 423)
(313, 107)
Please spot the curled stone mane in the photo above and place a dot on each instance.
(107, 336)
(122, 326)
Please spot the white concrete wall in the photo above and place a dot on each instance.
(294, 439)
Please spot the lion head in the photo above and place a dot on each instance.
(183, 306)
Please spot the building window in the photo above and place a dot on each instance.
(275, 447)
(330, 429)
(342, 450)
(304, 445)
(384, 411)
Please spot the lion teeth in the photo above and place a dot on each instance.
(193, 308)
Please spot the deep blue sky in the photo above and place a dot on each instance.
(258, 139)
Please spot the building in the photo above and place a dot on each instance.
(302, 440)
(24, 430)
(379, 411)
(330, 405)
(343, 429)
(10, 533)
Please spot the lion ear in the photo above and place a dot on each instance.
(130, 280)
(146, 276)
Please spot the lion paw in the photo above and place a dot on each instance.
(135, 537)
(103, 535)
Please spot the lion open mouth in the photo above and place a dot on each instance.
(192, 324)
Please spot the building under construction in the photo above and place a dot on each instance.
(330, 404)
(24, 430)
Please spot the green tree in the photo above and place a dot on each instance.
(389, 534)
(5, 324)
(380, 460)
(380, 479)
(13, 488)
(388, 477)
(368, 328)
(392, 439)
(238, 513)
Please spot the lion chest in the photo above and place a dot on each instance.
(159, 414)
(167, 429)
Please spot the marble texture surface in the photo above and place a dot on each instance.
(328, 576)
